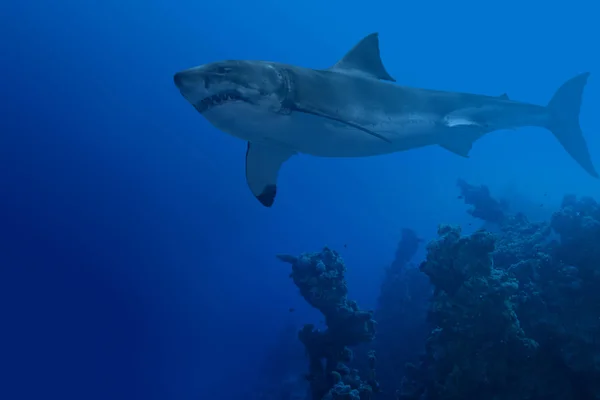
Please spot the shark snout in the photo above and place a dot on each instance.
(192, 84)
(188, 78)
(178, 78)
(198, 79)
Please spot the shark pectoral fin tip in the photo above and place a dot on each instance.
(267, 197)
(263, 161)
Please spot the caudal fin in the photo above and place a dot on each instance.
(564, 121)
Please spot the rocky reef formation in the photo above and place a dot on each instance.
(279, 374)
(506, 313)
(401, 315)
(483, 205)
(516, 314)
(320, 278)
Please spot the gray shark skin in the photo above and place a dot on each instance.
(353, 110)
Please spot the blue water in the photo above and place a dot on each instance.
(135, 262)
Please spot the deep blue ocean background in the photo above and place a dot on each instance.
(135, 262)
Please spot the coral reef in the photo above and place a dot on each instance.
(477, 346)
(320, 278)
(401, 314)
(484, 206)
(508, 314)
(516, 314)
(280, 373)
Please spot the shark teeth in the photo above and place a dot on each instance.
(218, 99)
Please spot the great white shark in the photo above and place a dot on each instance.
(353, 110)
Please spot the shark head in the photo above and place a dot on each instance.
(281, 109)
(229, 93)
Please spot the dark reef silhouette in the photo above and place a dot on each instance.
(320, 278)
(509, 314)
(401, 314)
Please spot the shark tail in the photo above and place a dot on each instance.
(564, 121)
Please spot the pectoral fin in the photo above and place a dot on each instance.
(263, 161)
(460, 141)
(465, 126)
(462, 148)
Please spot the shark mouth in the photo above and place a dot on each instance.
(219, 99)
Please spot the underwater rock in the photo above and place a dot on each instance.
(508, 315)
(477, 345)
(401, 315)
(484, 206)
(320, 278)
(515, 313)
(407, 248)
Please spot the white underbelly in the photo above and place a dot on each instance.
(319, 136)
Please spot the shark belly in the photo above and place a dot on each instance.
(323, 137)
(245, 122)
(300, 132)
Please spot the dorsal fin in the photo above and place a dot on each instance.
(504, 96)
(364, 59)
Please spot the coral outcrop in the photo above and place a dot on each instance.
(320, 279)
(511, 313)
(401, 314)
(483, 205)
(515, 313)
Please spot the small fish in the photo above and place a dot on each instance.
(292, 309)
